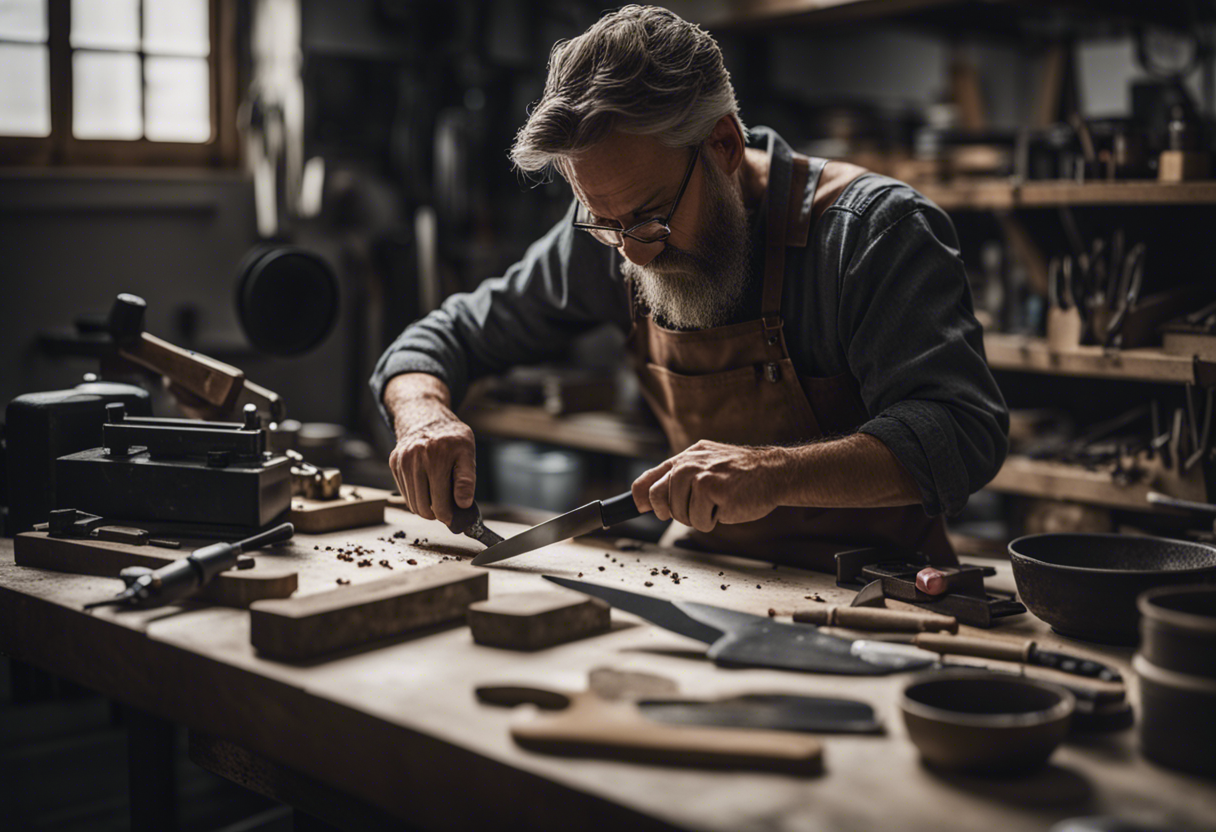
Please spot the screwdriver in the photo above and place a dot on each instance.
(178, 580)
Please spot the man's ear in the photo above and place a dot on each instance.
(726, 144)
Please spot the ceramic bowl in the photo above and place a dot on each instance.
(983, 722)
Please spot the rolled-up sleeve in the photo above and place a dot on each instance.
(909, 333)
(564, 285)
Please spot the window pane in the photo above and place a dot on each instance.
(177, 27)
(105, 24)
(25, 97)
(106, 96)
(178, 99)
(23, 20)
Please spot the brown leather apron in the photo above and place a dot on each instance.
(736, 384)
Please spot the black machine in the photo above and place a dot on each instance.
(42, 427)
(178, 471)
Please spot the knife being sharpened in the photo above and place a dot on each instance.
(594, 516)
(467, 521)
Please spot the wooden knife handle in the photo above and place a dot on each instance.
(984, 648)
(213, 381)
(876, 618)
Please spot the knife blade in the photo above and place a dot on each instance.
(746, 640)
(589, 518)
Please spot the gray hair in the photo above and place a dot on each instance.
(640, 70)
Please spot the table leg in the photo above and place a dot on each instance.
(151, 769)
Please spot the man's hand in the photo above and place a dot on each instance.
(434, 460)
(713, 483)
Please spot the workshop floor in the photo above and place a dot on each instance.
(63, 766)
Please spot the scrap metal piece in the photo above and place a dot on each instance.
(312, 482)
(122, 534)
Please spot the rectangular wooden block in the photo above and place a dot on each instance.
(533, 620)
(355, 507)
(300, 628)
(107, 559)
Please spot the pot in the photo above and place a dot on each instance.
(1177, 718)
(1085, 585)
(983, 722)
(1178, 629)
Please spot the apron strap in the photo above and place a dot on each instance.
(788, 222)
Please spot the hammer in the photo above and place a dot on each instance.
(218, 384)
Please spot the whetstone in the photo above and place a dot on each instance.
(310, 625)
(534, 620)
(354, 507)
(106, 558)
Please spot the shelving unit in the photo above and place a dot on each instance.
(1060, 481)
(1001, 16)
(1032, 355)
(1004, 194)
(599, 431)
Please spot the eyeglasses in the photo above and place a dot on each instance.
(649, 231)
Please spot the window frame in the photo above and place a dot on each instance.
(61, 148)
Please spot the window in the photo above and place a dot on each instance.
(128, 82)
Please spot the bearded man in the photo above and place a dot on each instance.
(802, 329)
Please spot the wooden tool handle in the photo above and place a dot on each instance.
(213, 381)
(595, 727)
(984, 648)
(875, 618)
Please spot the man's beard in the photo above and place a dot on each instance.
(702, 287)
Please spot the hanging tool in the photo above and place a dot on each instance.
(1125, 295)
(182, 578)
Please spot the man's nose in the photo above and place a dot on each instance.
(640, 253)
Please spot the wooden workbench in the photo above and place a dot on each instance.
(396, 726)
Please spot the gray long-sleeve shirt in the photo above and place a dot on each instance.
(883, 296)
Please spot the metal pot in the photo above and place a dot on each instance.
(1085, 585)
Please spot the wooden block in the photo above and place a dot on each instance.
(533, 620)
(107, 559)
(356, 506)
(1182, 165)
(300, 628)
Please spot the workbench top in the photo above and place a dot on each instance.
(397, 725)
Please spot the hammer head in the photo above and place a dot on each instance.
(126, 321)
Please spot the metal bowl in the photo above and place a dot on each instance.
(1085, 585)
(983, 722)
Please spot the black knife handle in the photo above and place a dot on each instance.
(618, 509)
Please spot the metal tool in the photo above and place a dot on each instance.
(589, 518)
(756, 711)
(467, 521)
(179, 580)
(740, 639)
(71, 522)
(969, 601)
(744, 640)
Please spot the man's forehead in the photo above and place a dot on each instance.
(621, 173)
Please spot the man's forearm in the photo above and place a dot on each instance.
(405, 394)
(856, 471)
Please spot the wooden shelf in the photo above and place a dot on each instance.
(1060, 481)
(1032, 355)
(971, 195)
(998, 194)
(604, 432)
(1006, 17)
